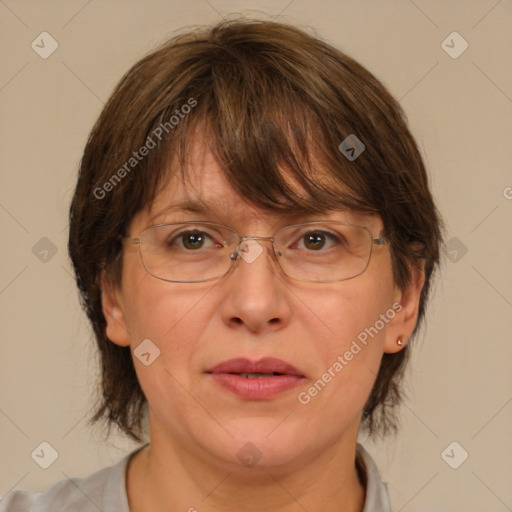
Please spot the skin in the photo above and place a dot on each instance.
(196, 427)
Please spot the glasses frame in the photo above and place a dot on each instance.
(380, 241)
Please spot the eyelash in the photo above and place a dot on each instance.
(330, 236)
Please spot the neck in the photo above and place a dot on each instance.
(164, 477)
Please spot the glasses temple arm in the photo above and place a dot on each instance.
(382, 239)
(129, 240)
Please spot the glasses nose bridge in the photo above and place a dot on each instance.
(234, 255)
(264, 238)
(256, 238)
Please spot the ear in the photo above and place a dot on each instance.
(112, 304)
(405, 304)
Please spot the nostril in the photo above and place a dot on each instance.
(273, 321)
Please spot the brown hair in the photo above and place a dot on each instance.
(266, 97)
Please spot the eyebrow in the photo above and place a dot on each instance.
(188, 205)
(204, 206)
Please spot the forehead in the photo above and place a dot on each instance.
(204, 192)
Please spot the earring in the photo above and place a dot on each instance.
(399, 341)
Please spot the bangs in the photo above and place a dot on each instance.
(277, 147)
(272, 117)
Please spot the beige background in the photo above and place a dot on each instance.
(459, 109)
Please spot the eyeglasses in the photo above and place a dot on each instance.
(192, 252)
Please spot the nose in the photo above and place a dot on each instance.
(256, 296)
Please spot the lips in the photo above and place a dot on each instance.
(256, 380)
(267, 365)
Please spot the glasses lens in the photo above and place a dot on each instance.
(323, 251)
(187, 252)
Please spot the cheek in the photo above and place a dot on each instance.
(354, 318)
(350, 312)
(172, 316)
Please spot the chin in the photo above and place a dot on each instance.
(264, 442)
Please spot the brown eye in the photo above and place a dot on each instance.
(314, 241)
(317, 240)
(193, 240)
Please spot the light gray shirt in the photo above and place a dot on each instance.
(105, 491)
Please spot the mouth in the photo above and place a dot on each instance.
(256, 380)
(257, 375)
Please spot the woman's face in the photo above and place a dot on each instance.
(255, 312)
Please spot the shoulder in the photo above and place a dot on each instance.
(103, 490)
(377, 497)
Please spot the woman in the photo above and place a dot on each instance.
(254, 238)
